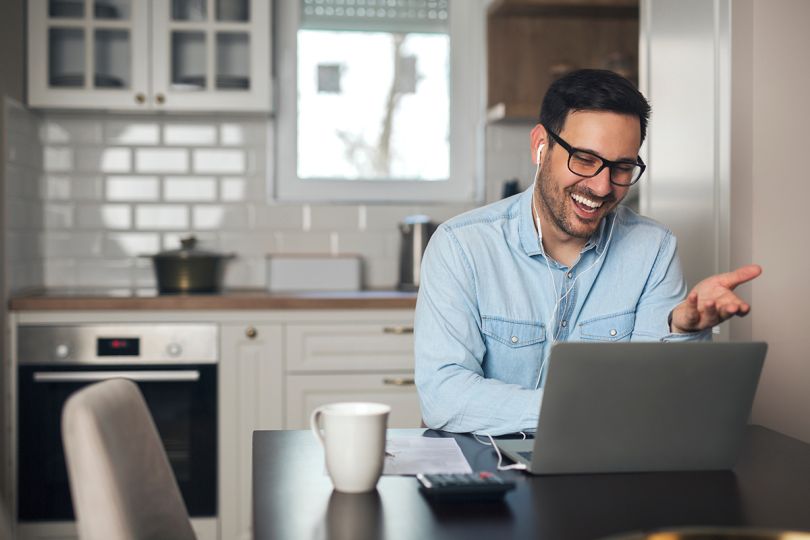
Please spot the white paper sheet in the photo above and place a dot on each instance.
(426, 455)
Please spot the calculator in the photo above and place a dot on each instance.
(464, 487)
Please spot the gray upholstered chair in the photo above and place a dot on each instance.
(121, 482)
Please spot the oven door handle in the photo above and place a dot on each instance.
(137, 376)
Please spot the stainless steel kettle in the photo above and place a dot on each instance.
(415, 232)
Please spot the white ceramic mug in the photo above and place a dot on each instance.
(353, 439)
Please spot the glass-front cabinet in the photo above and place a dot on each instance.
(180, 55)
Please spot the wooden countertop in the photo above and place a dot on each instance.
(246, 299)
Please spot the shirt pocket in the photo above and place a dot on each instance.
(513, 333)
(614, 327)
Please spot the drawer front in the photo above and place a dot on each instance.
(307, 392)
(349, 347)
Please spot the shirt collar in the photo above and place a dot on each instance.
(528, 234)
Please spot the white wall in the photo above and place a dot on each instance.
(779, 194)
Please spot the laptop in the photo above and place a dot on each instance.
(639, 407)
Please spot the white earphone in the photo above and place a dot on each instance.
(539, 149)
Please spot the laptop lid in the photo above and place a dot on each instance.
(634, 407)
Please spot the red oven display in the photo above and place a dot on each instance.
(118, 346)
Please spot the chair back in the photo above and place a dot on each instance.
(120, 478)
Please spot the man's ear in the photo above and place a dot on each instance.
(538, 140)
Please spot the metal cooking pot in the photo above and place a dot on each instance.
(188, 269)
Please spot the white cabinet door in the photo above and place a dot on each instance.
(211, 55)
(306, 392)
(88, 55)
(250, 398)
(350, 346)
(360, 357)
(167, 55)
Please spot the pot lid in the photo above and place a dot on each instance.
(189, 249)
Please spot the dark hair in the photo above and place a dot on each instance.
(592, 90)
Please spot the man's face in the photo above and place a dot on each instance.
(573, 204)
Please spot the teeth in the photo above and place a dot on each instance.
(587, 202)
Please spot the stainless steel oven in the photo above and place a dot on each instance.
(175, 366)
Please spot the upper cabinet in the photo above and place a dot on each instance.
(150, 55)
(530, 43)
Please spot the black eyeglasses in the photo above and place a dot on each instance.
(587, 164)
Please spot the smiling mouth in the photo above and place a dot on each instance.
(585, 205)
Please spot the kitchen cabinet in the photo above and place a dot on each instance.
(250, 398)
(360, 360)
(150, 55)
(530, 43)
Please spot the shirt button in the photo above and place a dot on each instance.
(569, 275)
(564, 323)
(613, 332)
(514, 339)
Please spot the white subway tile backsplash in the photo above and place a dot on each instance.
(245, 272)
(58, 216)
(104, 273)
(131, 244)
(161, 217)
(368, 244)
(382, 273)
(213, 216)
(72, 187)
(254, 243)
(105, 160)
(302, 242)
(161, 160)
(104, 216)
(219, 161)
(189, 188)
(190, 134)
(59, 273)
(57, 159)
(233, 189)
(71, 130)
(133, 188)
(131, 132)
(279, 217)
(387, 217)
(247, 133)
(334, 218)
(71, 244)
(205, 240)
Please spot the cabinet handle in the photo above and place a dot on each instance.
(251, 332)
(398, 330)
(140, 98)
(399, 381)
(160, 99)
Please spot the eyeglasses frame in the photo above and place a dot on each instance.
(606, 163)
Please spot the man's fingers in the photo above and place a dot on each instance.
(740, 275)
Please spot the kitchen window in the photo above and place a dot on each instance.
(380, 100)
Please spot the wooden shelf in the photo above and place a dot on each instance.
(563, 8)
(513, 112)
(531, 43)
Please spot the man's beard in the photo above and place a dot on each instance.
(555, 204)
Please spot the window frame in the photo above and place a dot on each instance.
(467, 121)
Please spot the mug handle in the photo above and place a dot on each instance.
(314, 424)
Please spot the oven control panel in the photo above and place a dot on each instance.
(168, 343)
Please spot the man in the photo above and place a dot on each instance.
(561, 261)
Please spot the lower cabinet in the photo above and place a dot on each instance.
(251, 382)
(367, 359)
(273, 372)
(306, 392)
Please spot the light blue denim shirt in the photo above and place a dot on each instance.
(486, 306)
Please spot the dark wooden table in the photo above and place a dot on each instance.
(293, 498)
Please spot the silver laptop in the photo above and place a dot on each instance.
(634, 407)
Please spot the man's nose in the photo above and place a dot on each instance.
(600, 184)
